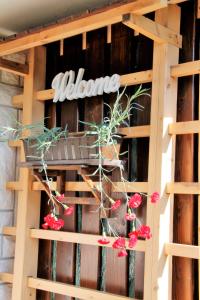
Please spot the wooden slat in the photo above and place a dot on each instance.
(136, 131)
(186, 69)
(28, 210)
(136, 78)
(198, 9)
(9, 231)
(131, 187)
(13, 67)
(152, 30)
(97, 19)
(80, 238)
(71, 290)
(17, 101)
(81, 200)
(186, 188)
(6, 277)
(15, 144)
(14, 186)
(182, 250)
(185, 127)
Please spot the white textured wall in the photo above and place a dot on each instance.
(9, 86)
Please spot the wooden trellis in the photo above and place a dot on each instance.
(162, 131)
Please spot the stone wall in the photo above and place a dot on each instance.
(10, 85)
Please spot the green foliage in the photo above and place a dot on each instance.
(106, 132)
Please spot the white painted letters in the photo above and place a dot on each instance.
(66, 88)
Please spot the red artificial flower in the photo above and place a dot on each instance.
(133, 233)
(116, 205)
(133, 240)
(155, 197)
(68, 210)
(57, 225)
(144, 232)
(60, 197)
(130, 216)
(122, 253)
(45, 226)
(135, 201)
(52, 222)
(103, 241)
(119, 243)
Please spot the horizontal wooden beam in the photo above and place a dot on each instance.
(136, 78)
(14, 186)
(6, 277)
(73, 26)
(186, 188)
(186, 69)
(180, 70)
(17, 101)
(15, 143)
(189, 127)
(182, 250)
(9, 231)
(135, 131)
(72, 290)
(176, 1)
(80, 238)
(13, 67)
(152, 30)
(73, 237)
(131, 187)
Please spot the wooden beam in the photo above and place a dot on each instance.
(158, 266)
(9, 231)
(80, 238)
(14, 186)
(13, 67)
(28, 210)
(152, 30)
(182, 250)
(15, 143)
(198, 9)
(72, 290)
(188, 127)
(6, 277)
(135, 131)
(186, 69)
(17, 101)
(70, 27)
(186, 188)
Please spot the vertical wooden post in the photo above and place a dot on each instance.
(199, 181)
(28, 211)
(158, 267)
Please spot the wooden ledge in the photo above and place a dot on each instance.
(13, 67)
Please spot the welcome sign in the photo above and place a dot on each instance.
(68, 87)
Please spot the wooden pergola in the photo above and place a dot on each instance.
(162, 131)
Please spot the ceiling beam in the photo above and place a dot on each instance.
(74, 26)
(13, 67)
(152, 30)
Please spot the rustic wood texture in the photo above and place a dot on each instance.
(93, 112)
(183, 268)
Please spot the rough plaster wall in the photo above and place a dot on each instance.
(9, 86)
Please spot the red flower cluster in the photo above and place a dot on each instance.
(52, 222)
(135, 201)
(116, 204)
(143, 232)
(119, 243)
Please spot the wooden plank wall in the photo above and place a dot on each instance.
(83, 264)
(183, 268)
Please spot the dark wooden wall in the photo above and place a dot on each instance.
(90, 266)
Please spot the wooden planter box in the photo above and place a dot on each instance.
(72, 148)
